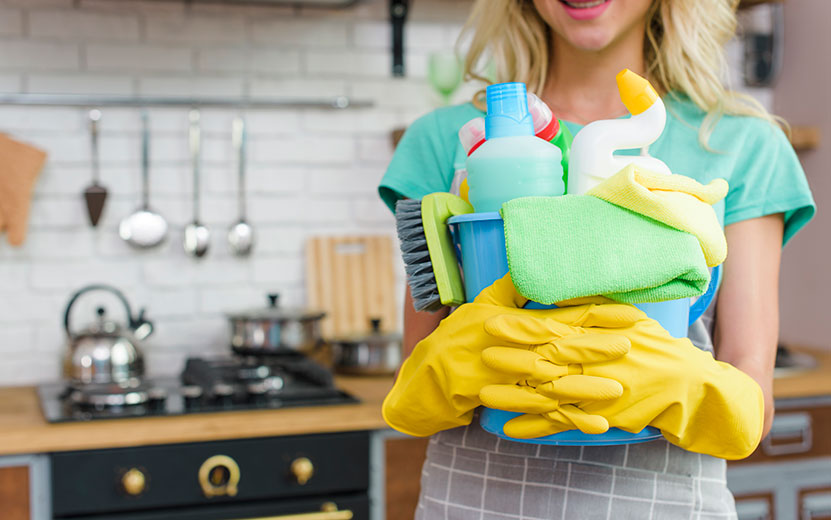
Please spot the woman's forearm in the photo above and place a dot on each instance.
(747, 316)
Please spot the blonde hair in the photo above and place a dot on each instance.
(683, 51)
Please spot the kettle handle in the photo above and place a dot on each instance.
(131, 323)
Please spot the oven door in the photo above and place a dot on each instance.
(223, 480)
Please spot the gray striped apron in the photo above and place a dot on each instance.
(470, 474)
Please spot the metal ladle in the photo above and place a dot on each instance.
(144, 228)
(241, 234)
(197, 235)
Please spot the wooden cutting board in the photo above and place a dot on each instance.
(352, 279)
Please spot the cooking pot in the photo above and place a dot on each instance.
(273, 329)
(373, 353)
(106, 351)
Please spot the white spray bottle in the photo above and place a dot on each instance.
(592, 152)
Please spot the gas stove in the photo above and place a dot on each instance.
(206, 385)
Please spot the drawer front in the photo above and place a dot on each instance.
(404, 458)
(226, 472)
(14, 493)
(815, 504)
(757, 506)
(796, 433)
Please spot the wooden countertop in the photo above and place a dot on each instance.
(809, 383)
(24, 430)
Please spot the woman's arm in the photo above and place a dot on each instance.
(747, 316)
(418, 325)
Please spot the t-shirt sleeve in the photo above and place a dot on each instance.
(422, 163)
(769, 179)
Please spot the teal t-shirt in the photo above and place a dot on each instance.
(752, 155)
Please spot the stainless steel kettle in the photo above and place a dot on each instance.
(106, 352)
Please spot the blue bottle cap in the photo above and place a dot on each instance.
(508, 114)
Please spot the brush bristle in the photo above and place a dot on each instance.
(417, 264)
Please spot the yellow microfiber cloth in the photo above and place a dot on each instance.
(676, 200)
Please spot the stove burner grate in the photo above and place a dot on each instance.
(206, 385)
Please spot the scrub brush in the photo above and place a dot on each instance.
(428, 252)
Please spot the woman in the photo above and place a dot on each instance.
(568, 52)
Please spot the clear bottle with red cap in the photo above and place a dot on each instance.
(549, 128)
(546, 127)
(512, 162)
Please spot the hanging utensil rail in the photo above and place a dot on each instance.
(72, 100)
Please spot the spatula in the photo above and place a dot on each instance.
(95, 194)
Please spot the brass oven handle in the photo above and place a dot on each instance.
(328, 511)
(229, 488)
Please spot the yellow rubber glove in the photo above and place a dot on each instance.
(676, 200)
(438, 385)
(698, 403)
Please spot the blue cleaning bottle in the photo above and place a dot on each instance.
(512, 162)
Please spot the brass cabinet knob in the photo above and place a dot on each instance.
(133, 482)
(302, 469)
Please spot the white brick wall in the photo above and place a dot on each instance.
(26, 55)
(142, 57)
(309, 171)
(81, 25)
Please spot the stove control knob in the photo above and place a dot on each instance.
(192, 395)
(302, 469)
(219, 476)
(133, 482)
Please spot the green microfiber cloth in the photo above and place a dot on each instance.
(572, 246)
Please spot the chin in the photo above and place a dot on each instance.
(589, 39)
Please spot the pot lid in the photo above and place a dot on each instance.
(275, 312)
(375, 335)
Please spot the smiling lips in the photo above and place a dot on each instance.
(585, 4)
(585, 10)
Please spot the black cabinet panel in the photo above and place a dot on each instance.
(90, 482)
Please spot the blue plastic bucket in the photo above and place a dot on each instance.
(480, 244)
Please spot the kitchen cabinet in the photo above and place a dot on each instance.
(789, 475)
(14, 492)
(226, 480)
(316, 468)
(24, 487)
(815, 504)
(404, 457)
